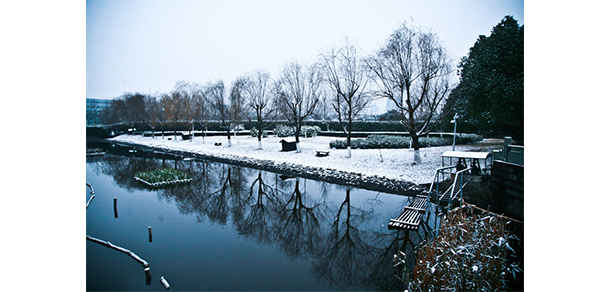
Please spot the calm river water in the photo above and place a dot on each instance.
(238, 229)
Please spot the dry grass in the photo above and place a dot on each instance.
(469, 253)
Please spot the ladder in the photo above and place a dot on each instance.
(411, 216)
(450, 194)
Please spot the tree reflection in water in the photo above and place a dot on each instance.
(298, 231)
(261, 207)
(337, 238)
(348, 252)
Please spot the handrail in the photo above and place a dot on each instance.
(436, 175)
(457, 174)
(461, 189)
(438, 199)
(453, 194)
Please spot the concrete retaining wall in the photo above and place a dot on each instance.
(506, 183)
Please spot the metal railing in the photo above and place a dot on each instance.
(440, 170)
(460, 175)
(451, 191)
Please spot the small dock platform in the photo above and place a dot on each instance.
(410, 218)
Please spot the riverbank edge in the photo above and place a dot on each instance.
(353, 179)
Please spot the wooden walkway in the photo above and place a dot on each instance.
(410, 217)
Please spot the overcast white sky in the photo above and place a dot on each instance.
(147, 46)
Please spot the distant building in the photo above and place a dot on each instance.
(94, 108)
(390, 105)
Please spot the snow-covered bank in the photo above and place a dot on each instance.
(393, 164)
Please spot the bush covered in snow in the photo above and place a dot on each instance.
(388, 141)
(310, 131)
(286, 131)
(254, 133)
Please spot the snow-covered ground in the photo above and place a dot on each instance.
(391, 163)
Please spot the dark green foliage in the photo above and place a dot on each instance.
(361, 126)
(391, 115)
(490, 94)
(394, 142)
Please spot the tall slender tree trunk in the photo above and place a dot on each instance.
(297, 131)
(297, 128)
(415, 144)
(349, 133)
(260, 132)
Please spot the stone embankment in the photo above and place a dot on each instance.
(374, 183)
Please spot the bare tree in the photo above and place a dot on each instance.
(257, 96)
(134, 109)
(152, 112)
(412, 69)
(201, 108)
(170, 105)
(346, 74)
(184, 92)
(115, 113)
(236, 100)
(297, 94)
(227, 113)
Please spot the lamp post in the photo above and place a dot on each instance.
(454, 122)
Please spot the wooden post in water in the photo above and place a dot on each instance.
(89, 202)
(149, 234)
(116, 214)
(164, 282)
(91, 187)
(148, 276)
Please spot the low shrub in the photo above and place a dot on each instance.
(310, 131)
(286, 131)
(393, 142)
(254, 133)
(283, 131)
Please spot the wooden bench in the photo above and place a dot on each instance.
(322, 153)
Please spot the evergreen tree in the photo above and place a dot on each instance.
(490, 94)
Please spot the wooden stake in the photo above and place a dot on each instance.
(89, 202)
(164, 282)
(116, 214)
(149, 234)
(91, 187)
(148, 275)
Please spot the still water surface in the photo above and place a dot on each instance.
(238, 229)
